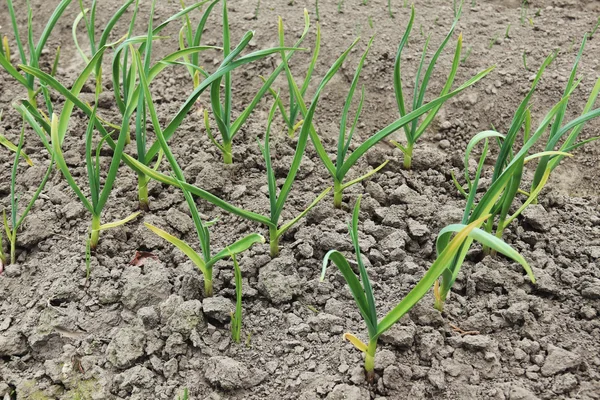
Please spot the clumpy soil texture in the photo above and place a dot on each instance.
(146, 332)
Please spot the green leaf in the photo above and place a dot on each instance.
(307, 125)
(8, 67)
(361, 267)
(394, 126)
(487, 240)
(423, 286)
(60, 162)
(181, 245)
(365, 176)
(291, 223)
(353, 283)
(343, 144)
(397, 70)
(236, 248)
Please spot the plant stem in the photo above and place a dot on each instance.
(95, 231)
(499, 233)
(439, 303)
(143, 192)
(227, 156)
(337, 194)
(489, 225)
(32, 100)
(208, 287)
(273, 242)
(408, 156)
(13, 247)
(370, 360)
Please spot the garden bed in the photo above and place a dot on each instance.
(131, 331)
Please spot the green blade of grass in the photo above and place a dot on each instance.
(11, 146)
(365, 176)
(397, 69)
(78, 19)
(298, 217)
(266, 152)
(556, 125)
(34, 123)
(93, 176)
(366, 283)
(112, 22)
(5, 63)
(11, 12)
(200, 30)
(52, 21)
(429, 118)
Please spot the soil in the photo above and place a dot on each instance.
(146, 332)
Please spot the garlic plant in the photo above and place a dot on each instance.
(205, 261)
(417, 127)
(362, 291)
(12, 225)
(30, 53)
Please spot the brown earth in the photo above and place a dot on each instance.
(146, 332)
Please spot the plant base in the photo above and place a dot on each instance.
(208, 287)
(407, 164)
(95, 235)
(274, 247)
(144, 206)
(143, 193)
(13, 251)
(370, 361)
(227, 156)
(337, 195)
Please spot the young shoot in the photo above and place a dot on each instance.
(362, 290)
(466, 56)
(11, 228)
(99, 193)
(505, 183)
(229, 64)
(294, 108)
(277, 198)
(416, 128)
(567, 133)
(122, 77)
(12, 147)
(221, 96)
(595, 28)
(88, 15)
(236, 317)
(185, 395)
(204, 261)
(344, 158)
(562, 139)
(30, 53)
(509, 168)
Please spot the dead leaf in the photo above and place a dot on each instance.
(140, 258)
